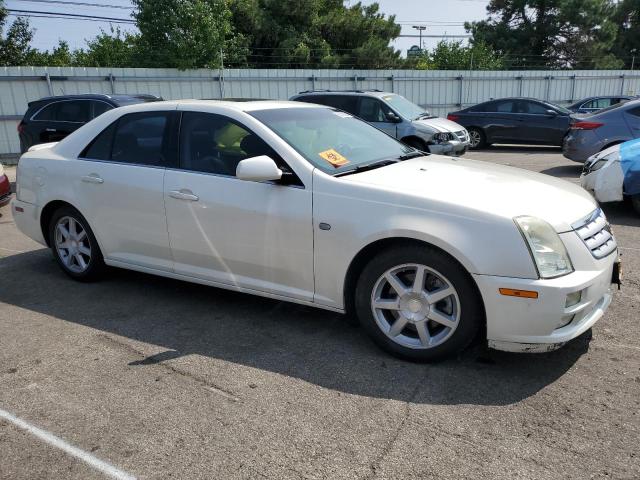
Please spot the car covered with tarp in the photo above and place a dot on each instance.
(614, 173)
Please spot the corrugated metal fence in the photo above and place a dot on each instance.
(439, 91)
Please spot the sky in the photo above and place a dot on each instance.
(440, 17)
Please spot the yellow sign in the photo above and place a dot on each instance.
(334, 158)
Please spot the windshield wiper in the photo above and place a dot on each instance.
(368, 166)
(415, 154)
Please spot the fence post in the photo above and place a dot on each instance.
(520, 82)
(112, 82)
(355, 82)
(393, 88)
(546, 94)
(573, 88)
(49, 86)
(622, 84)
(460, 79)
(313, 82)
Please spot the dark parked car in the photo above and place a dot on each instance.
(593, 104)
(50, 119)
(514, 120)
(593, 133)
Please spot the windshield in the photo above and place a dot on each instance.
(404, 107)
(330, 139)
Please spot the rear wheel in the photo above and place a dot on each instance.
(418, 303)
(477, 138)
(74, 246)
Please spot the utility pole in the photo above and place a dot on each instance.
(420, 28)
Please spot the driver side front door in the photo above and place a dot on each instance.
(254, 236)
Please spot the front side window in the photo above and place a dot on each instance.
(371, 110)
(213, 143)
(136, 138)
(505, 106)
(331, 140)
(536, 108)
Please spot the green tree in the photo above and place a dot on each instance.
(549, 33)
(15, 44)
(627, 46)
(184, 33)
(109, 49)
(456, 56)
(315, 33)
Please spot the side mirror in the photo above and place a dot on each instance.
(258, 169)
(393, 118)
(552, 113)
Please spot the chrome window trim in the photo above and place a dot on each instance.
(33, 119)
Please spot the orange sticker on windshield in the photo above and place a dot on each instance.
(334, 158)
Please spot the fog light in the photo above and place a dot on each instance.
(573, 299)
(564, 321)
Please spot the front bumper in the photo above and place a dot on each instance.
(535, 325)
(452, 147)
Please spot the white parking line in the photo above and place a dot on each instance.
(57, 442)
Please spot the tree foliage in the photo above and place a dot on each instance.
(457, 56)
(550, 33)
(15, 43)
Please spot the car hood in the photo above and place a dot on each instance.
(438, 124)
(492, 189)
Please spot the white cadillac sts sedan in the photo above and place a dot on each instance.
(308, 204)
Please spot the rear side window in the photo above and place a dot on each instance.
(505, 106)
(347, 103)
(634, 111)
(136, 138)
(76, 111)
(100, 148)
(99, 108)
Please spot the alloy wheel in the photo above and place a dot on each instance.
(72, 244)
(415, 306)
(474, 138)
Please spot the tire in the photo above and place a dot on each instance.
(477, 138)
(81, 259)
(399, 325)
(417, 144)
(635, 201)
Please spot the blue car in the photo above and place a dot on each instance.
(593, 104)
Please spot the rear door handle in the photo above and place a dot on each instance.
(50, 130)
(183, 195)
(92, 178)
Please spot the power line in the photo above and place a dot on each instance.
(27, 13)
(81, 4)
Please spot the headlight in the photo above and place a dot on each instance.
(598, 164)
(441, 137)
(546, 247)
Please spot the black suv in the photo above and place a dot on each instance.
(50, 119)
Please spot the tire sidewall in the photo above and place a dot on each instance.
(96, 263)
(470, 305)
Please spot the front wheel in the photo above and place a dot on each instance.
(74, 246)
(418, 303)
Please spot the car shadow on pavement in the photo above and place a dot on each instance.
(564, 171)
(297, 341)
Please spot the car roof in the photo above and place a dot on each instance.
(115, 98)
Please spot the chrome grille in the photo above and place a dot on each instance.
(596, 234)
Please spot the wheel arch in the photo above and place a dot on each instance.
(413, 137)
(47, 213)
(361, 259)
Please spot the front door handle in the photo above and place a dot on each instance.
(50, 130)
(92, 178)
(183, 195)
